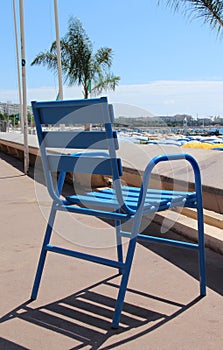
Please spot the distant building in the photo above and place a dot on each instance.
(167, 118)
(12, 108)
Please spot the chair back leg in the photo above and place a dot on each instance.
(43, 253)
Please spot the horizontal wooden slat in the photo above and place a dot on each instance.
(72, 112)
(79, 140)
(83, 165)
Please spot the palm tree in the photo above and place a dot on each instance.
(211, 11)
(80, 65)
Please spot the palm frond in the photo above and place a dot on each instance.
(103, 56)
(108, 83)
(46, 59)
(210, 11)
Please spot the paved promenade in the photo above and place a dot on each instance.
(162, 309)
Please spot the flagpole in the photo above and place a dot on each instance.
(24, 97)
(58, 51)
(18, 66)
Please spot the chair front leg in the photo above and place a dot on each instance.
(124, 282)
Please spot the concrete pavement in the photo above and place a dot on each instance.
(76, 298)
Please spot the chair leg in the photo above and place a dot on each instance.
(124, 282)
(43, 253)
(119, 242)
(201, 250)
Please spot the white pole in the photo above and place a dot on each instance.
(58, 51)
(18, 67)
(24, 98)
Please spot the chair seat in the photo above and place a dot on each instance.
(156, 200)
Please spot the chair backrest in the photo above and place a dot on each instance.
(57, 130)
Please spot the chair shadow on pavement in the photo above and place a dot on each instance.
(9, 345)
(186, 260)
(86, 316)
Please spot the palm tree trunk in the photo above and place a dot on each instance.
(87, 127)
(86, 92)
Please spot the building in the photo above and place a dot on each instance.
(10, 108)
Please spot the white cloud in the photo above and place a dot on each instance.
(202, 98)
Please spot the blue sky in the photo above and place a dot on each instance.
(167, 63)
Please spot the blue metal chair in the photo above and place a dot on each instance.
(97, 155)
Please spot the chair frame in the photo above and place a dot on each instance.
(116, 207)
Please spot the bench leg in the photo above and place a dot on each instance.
(43, 253)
